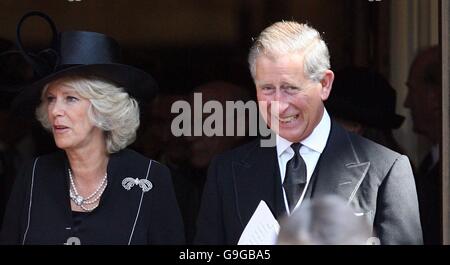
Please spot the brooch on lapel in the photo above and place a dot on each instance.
(144, 184)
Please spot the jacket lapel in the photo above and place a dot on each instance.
(51, 201)
(59, 186)
(340, 168)
(256, 178)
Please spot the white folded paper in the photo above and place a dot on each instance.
(262, 229)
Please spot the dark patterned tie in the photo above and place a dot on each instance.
(295, 178)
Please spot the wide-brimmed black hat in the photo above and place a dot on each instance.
(363, 95)
(80, 53)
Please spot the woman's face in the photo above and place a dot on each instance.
(68, 116)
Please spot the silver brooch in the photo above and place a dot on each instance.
(144, 184)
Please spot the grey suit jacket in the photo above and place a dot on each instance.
(376, 181)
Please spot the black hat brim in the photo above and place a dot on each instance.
(377, 119)
(137, 83)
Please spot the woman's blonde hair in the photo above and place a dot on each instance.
(111, 109)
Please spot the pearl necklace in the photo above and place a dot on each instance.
(91, 199)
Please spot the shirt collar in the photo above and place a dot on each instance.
(316, 141)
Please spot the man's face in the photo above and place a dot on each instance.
(287, 97)
(421, 100)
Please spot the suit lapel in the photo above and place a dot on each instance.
(59, 185)
(340, 169)
(51, 201)
(256, 178)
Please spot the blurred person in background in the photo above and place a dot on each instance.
(328, 220)
(424, 101)
(364, 102)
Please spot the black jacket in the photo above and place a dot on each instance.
(377, 182)
(39, 212)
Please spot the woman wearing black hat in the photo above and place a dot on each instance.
(94, 191)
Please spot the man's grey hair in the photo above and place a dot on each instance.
(287, 37)
(111, 109)
(326, 220)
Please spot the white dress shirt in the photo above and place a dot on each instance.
(311, 149)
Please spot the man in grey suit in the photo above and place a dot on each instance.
(313, 156)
